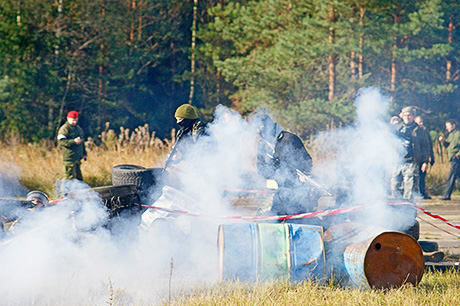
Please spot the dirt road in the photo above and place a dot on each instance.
(432, 229)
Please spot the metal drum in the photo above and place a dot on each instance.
(370, 257)
(258, 252)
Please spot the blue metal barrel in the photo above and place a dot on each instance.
(266, 251)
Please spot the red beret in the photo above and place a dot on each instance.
(72, 114)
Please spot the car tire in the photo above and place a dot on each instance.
(414, 230)
(139, 176)
(429, 246)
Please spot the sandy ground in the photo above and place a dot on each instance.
(432, 229)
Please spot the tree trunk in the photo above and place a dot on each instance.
(132, 8)
(218, 88)
(353, 64)
(394, 66)
(192, 68)
(101, 70)
(50, 123)
(451, 28)
(18, 14)
(361, 43)
(58, 29)
(332, 55)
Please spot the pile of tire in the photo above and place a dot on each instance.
(143, 178)
(122, 204)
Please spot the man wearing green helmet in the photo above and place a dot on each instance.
(191, 128)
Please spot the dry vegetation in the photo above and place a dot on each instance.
(435, 289)
(41, 164)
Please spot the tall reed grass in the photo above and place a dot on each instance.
(41, 163)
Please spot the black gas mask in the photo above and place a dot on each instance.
(185, 123)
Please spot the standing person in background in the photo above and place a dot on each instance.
(71, 140)
(452, 143)
(427, 153)
(406, 174)
(191, 128)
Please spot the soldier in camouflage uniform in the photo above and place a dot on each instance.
(452, 143)
(191, 128)
(71, 140)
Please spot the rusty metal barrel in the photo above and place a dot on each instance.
(370, 257)
(266, 251)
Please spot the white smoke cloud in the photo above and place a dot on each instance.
(58, 257)
(9, 181)
(47, 261)
(365, 156)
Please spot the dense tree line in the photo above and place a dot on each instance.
(131, 62)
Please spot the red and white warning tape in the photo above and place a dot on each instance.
(429, 213)
(57, 200)
(318, 214)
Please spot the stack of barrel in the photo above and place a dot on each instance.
(351, 254)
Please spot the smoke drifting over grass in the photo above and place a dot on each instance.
(64, 254)
(59, 257)
(9, 181)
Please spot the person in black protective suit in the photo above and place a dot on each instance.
(280, 154)
(191, 128)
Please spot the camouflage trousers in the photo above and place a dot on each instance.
(405, 181)
(72, 170)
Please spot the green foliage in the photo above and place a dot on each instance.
(276, 53)
(107, 60)
(4, 94)
(304, 60)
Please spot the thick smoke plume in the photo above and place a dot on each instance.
(364, 157)
(66, 255)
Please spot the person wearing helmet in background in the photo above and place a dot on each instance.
(280, 154)
(191, 129)
(14, 214)
(38, 198)
(71, 140)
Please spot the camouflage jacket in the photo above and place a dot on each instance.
(186, 137)
(453, 144)
(70, 150)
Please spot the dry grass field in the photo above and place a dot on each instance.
(40, 165)
(435, 289)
